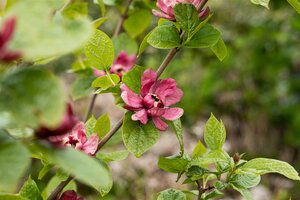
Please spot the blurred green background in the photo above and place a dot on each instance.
(255, 91)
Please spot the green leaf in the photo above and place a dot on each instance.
(214, 156)
(81, 87)
(195, 173)
(265, 165)
(144, 44)
(106, 81)
(101, 6)
(264, 3)
(76, 9)
(133, 78)
(98, 22)
(245, 180)
(38, 35)
(187, 16)
(99, 50)
(138, 138)
(206, 37)
(199, 150)
(244, 192)
(11, 197)
(31, 97)
(30, 190)
(295, 4)
(171, 194)
(112, 156)
(102, 125)
(90, 126)
(124, 42)
(14, 159)
(46, 168)
(220, 49)
(174, 164)
(137, 22)
(213, 194)
(176, 125)
(75, 163)
(164, 37)
(214, 133)
(54, 182)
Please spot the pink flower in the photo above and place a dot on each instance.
(77, 139)
(6, 34)
(69, 195)
(167, 8)
(154, 101)
(121, 65)
(68, 122)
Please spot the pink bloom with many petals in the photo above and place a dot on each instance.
(167, 8)
(121, 65)
(77, 139)
(68, 122)
(154, 101)
(69, 195)
(6, 35)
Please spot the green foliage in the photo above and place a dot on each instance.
(199, 150)
(90, 126)
(245, 180)
(164, 37)
(81, 87)
(11, 197)
(214, 133)
(138, 138)
(74, 162)
(174, 164)
(264, 3)
(102, 125)
(171, 194)
(187, 16)
(177, 127)
(265, 165)
(43, 36)
(31, 97)
(124, 42)
(137, 22)
(220, 49)
(14, 159)
(106, 81)
(99, 50)
(206, 37)
(295, 4)
(133, 78)
(113, 156)
(30, 190)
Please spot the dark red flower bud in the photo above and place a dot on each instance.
(68, 122)
(70, 195)
(6, 34)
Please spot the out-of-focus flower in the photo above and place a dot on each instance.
(167, 8)
(154, 101)
(77, 139)
(121, 65)
(6, 35)
(69, 195)
(68, 122)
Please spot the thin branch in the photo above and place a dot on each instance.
(199, 187)
(121, 21)
(59, 188)
(116, 33)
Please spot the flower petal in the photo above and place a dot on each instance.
(140, 116)
(156, 112)
(90, 146)
(159, 124)
(172, 113)
(130, 98)
(174, 97)
(161, 14)
(149, 76)
(79, 132)
(98, 72)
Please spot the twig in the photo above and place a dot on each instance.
(121, 21)
(199, 187)
(91, 106)
(59, 188)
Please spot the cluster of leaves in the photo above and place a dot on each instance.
(213, 170)
(31, 97)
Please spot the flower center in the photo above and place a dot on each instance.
(157, 101)
(72, 141)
